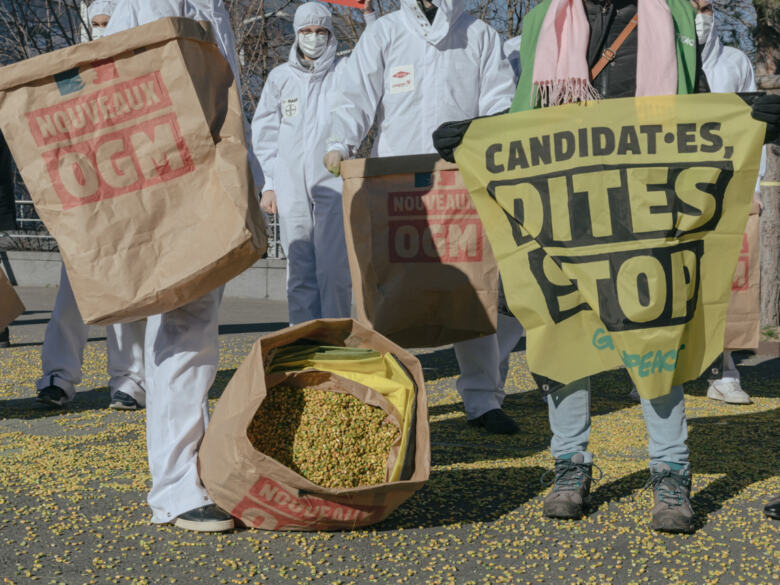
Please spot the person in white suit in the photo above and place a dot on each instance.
(66, 334)
(728, 70)
(182, 350)
(289, 136)
(415, 68)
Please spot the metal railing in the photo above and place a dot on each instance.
(32, 235)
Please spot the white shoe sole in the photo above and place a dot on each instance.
(208, 526)
(120, 406)
(713, 394)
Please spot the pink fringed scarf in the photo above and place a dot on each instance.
(561, 72)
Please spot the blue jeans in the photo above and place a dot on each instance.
(664, 418)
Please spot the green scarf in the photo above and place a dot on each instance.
(683, 15)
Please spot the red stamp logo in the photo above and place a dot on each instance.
(438, 225)
(128, 160)
(107, 107)
(742, 273)
(271, 506)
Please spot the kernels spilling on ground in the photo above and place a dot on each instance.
(331, 439)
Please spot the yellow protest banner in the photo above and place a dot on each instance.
(617, 225)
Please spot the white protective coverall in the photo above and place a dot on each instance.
(182, 349)
(101, 7)
(66, 334)
(289, 135)
(411, 76)
(512, 53)
(729, 70)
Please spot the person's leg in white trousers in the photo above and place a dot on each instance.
(63, 342)
(125, 345)
(63, 349)
(484, 363)
(182, 354)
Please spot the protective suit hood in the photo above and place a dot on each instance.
(101, 7)
(712, 50)
(314, 14)
(448, 13)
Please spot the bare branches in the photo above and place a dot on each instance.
(31, 27)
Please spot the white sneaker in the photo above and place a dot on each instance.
(634, 395)
(728, 390)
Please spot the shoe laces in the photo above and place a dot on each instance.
(569, 476)
(669, 487)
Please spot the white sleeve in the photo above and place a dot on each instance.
(748, 83)
(123, 18)
(369, 18)
(360, 90)
(497, 80)
(265, 130)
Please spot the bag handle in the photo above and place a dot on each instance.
(609, 54)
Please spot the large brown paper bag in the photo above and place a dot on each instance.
(263, 493)
(10, 304)
(423, 273)
(134, 152)
(743, 317)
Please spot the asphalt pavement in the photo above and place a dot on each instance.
(73, 485)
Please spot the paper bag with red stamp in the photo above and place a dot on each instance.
(134, 153)
(263, 493)
(743, 318)
(423, 272)
(10, 304)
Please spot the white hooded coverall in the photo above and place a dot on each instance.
(512, 53)
(411, 76)
(182, 346)
(289, 135)
(729, 70)
(66, 334)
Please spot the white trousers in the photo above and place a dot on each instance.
(318, 279)
(63, 349)
(182, 354)
(484, 363)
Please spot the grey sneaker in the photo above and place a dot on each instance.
(122, 401)
(52, 396)
(571, 487)
(671, 484)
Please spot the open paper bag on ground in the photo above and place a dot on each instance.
(262, 492)
(743, 317)
(10, 304)
(133, 150)
(422, 269)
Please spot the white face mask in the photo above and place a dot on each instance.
(98, 32)
(312, 44)
(704, 24)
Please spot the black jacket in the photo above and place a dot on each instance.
(7, 206)
(607, 20)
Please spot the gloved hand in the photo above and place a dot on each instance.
(332, 162)
(448, 136)
(767, 109)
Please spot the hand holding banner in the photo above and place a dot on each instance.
(616, 226)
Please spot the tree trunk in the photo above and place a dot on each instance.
(767, 40)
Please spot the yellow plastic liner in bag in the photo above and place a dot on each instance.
(379, 372)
